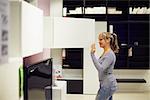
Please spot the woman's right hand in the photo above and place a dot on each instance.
(93, 48)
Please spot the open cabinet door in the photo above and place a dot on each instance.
(73, 32)
(60, 32)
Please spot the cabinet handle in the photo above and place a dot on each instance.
(123, 44)
(66, 65)
(130, 52)
(136, 43)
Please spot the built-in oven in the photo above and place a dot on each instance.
(37, 77)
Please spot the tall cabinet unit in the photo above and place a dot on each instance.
(138, 38)
(25, 39)
(71, 33)
(133, 34)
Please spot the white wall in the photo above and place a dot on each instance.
(9, 80)
(56, 7)
(4, 30)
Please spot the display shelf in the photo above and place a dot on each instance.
(131, 80)
(73, 58)
(117, 17)
(139, 17)
(75, 15)
(112, 8)
(97, 17)
(130, 20)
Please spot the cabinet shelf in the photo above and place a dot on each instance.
(131, 80)
(75, 15)
(97, 17)
(118, 5)
(139, 17)
(114, 17)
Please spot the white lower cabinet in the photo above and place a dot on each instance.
(59, 91)
(9, 79)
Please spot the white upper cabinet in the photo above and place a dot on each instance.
(26, 29)
(69, 32)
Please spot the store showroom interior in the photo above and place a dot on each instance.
(45, 48)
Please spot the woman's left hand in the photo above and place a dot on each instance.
(93, 48)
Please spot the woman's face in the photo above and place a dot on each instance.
(102, 41)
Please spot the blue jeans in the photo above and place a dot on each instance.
(104, 93)
(110, 98)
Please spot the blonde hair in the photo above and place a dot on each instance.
(113, 40)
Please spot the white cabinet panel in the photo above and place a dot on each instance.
(59, 91)
(26, 29)
(62, 32)
(91, 82)
(73, 32)
(32, 29)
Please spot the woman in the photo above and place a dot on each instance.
(105, 65)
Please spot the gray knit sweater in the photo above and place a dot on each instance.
(105, 66)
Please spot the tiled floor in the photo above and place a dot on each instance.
(37, 95)
(117, 96)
